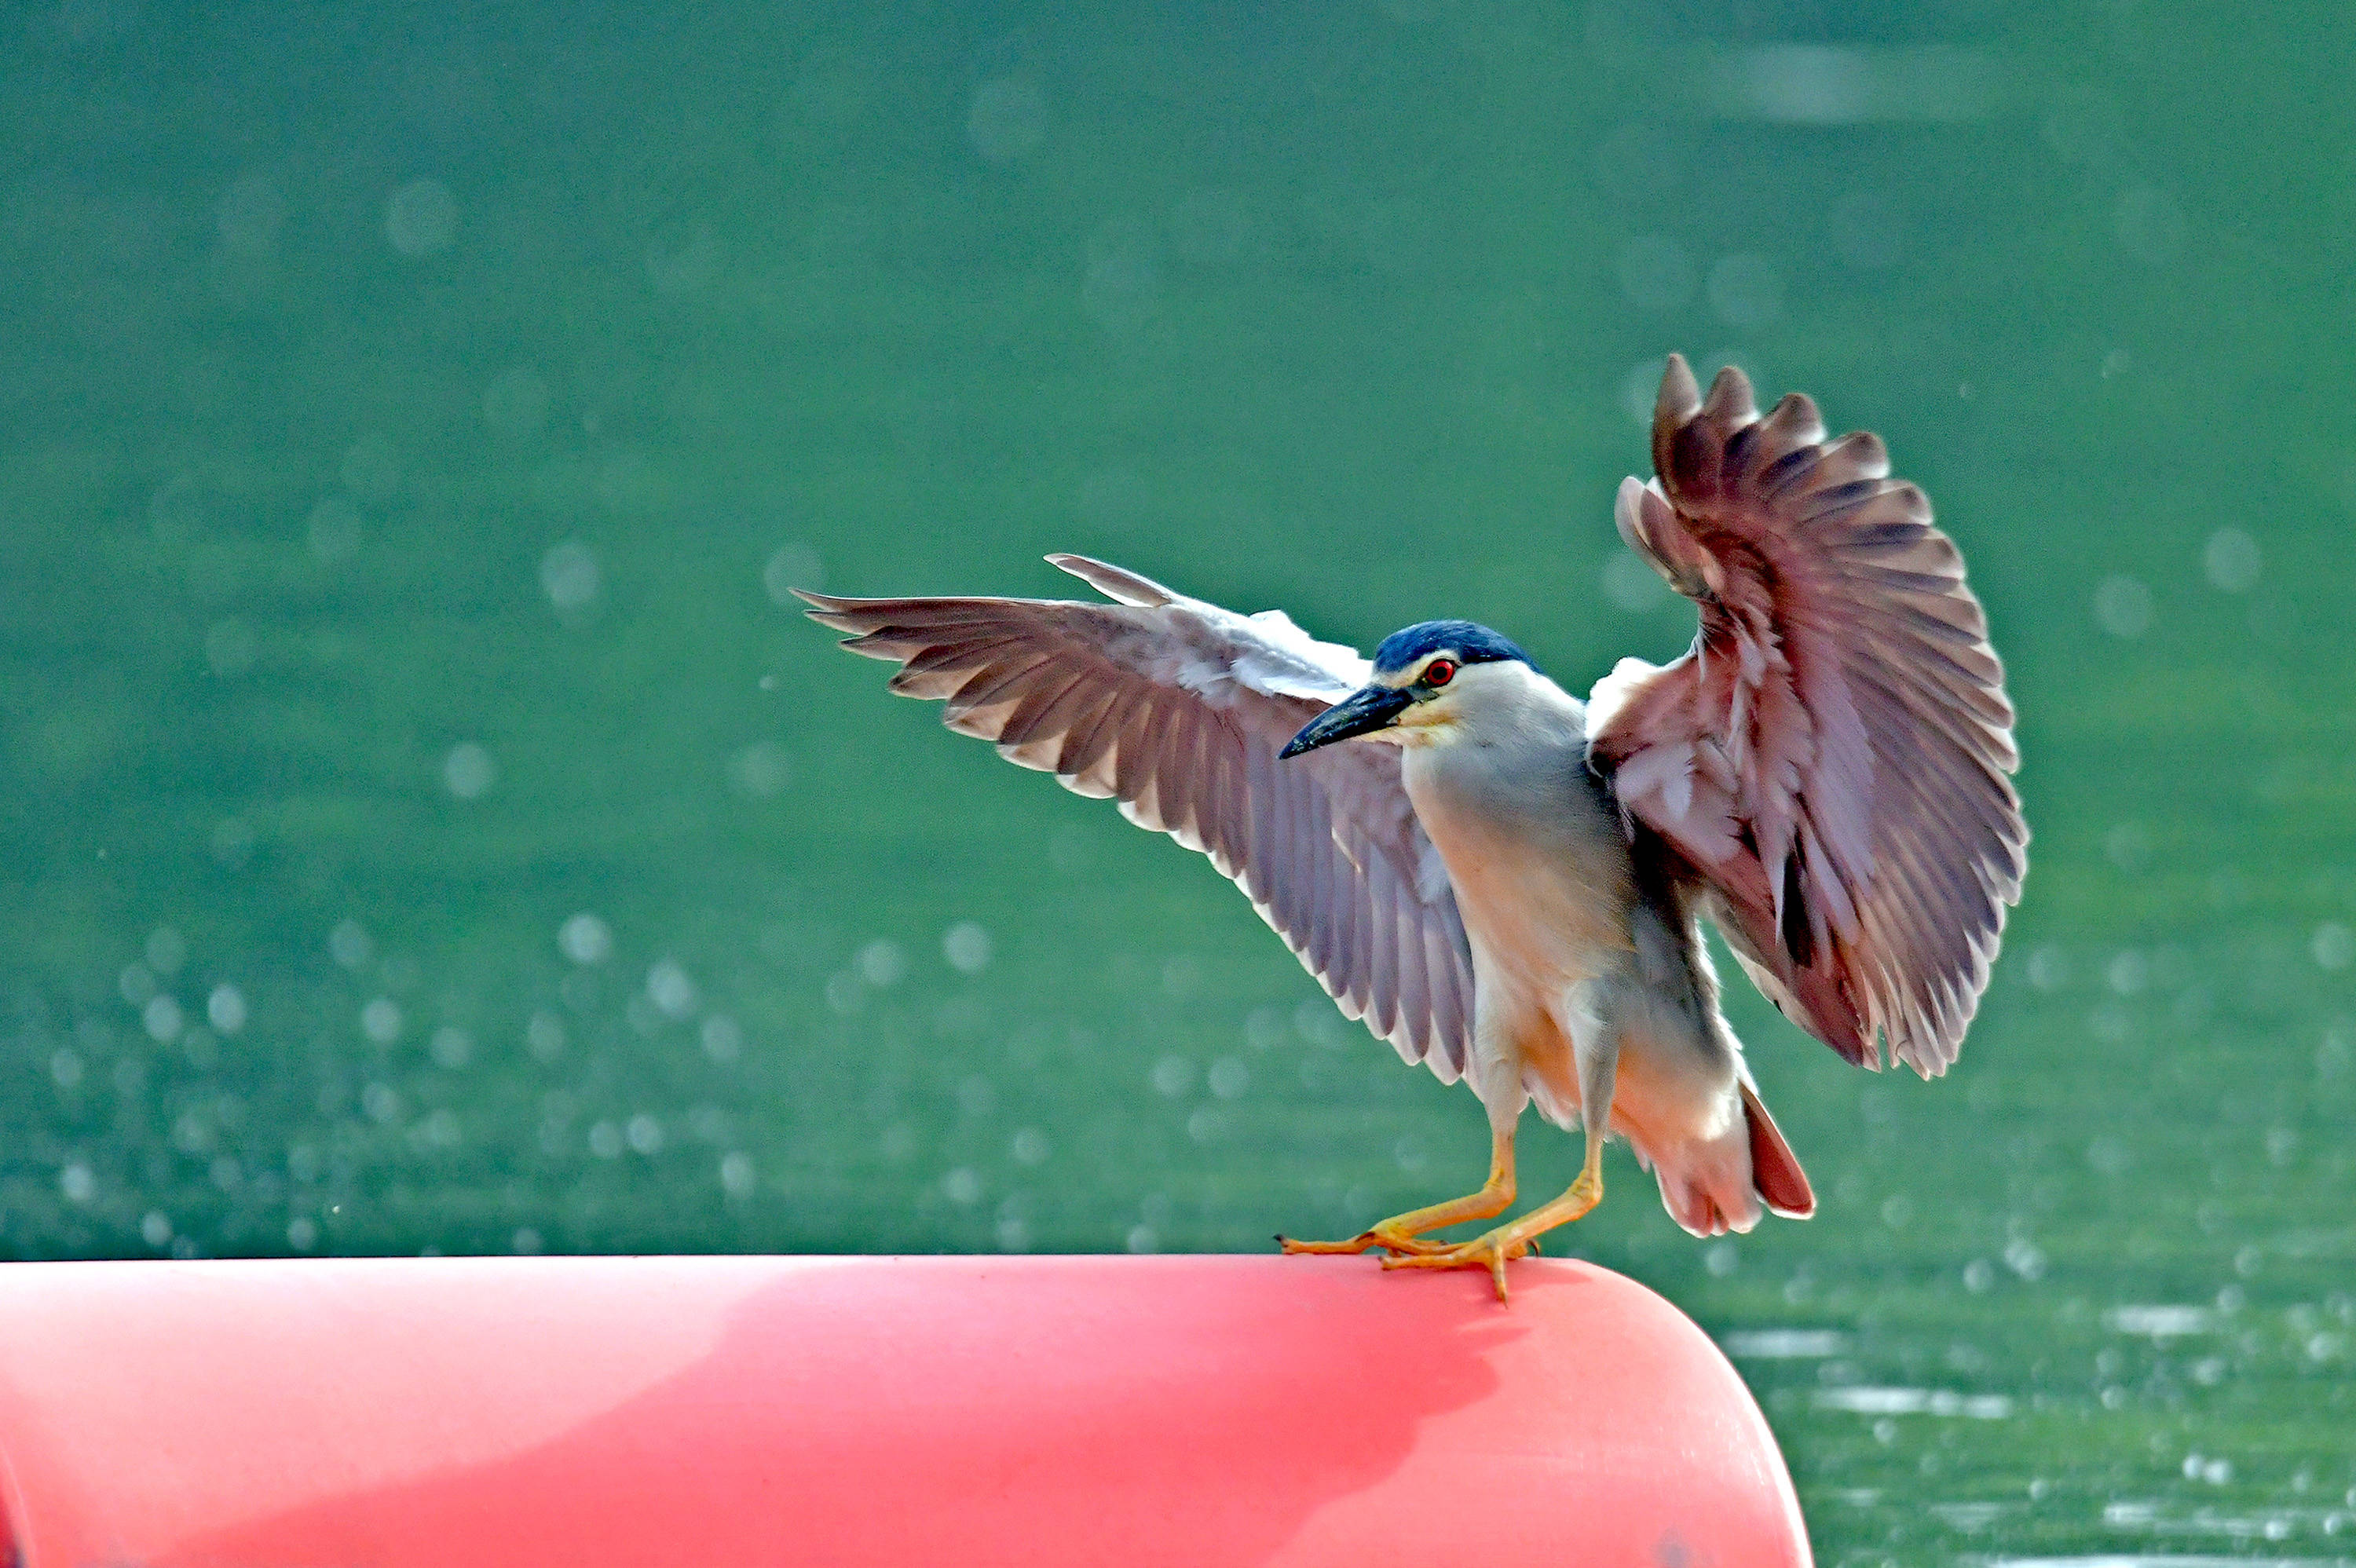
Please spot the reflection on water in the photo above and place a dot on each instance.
(431, 828)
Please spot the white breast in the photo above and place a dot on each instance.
(1535, 852)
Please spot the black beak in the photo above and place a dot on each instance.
(1367, 710)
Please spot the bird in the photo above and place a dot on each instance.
(1507, 882)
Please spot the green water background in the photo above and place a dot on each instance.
(426, 828)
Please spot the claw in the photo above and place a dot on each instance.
(1386, 1236)
(1491, 1252)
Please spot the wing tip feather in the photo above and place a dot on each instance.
(984, 657)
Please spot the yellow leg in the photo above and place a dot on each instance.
(1518, 1237)
(1398, 1233)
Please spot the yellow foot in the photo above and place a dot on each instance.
(1491, 1252)
(1386, 1235)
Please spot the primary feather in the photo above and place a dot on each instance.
(1177, 709)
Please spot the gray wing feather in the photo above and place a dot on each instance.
(1176, 710)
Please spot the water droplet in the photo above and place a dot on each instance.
(163, 1019)
(1630, 584)
(976, 1095)
(881, 963)
(78, 1182)
(452, 1046)
(1639, 390)
(421, 217)
(645, 1134)
(1320, 1025)
(962, 1187)
(543, 1036)
(2231, 560)
(760, 769)
(670, 989)
(225, 1008)
(967, 947)
(723, 1040)
(349, 945)
(233, 842)
(2123, 606)
(736, 1174)
(569, 573)
(2333, 945)
(156, 1228)
(165, 950)
(1173, 1076)
(792, 566)
(335, 529)
(468, 770)
(380, 1021)
(1229, 1078)
(586, 939)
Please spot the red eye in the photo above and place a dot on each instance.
(1439, 672)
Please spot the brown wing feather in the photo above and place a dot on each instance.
(1177, 709)
(1831, 756)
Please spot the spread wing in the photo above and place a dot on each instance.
(1831, 756)
(1177, 709)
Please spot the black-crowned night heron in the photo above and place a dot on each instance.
(1505, 883)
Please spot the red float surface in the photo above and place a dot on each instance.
(961, 1410)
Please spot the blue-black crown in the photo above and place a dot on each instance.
(1473, 643)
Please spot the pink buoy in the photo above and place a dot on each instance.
(885, 1412)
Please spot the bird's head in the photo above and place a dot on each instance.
(1425, 680)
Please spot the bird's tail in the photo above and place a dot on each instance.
(1775, 1169)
